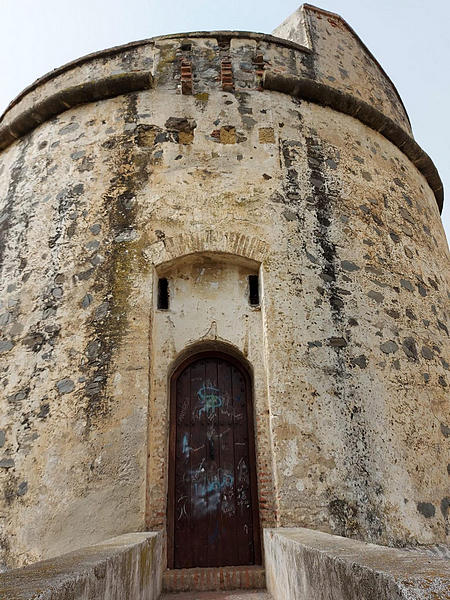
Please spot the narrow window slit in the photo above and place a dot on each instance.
(163, 293)
(253, 290)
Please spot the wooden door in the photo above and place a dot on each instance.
(213, 516)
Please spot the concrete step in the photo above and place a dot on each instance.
(214, 579)
(231, 595)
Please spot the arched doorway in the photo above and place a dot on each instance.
(213, 505)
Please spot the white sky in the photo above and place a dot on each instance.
(410, 38)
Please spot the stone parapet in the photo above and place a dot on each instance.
(128, 566)
(199, 63)
(302, 564)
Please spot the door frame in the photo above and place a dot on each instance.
(251, 450)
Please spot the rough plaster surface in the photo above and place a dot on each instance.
(129, 566)
(303, 564)
(350, 347)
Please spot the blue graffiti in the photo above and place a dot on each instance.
(210, 399)
(186, 447)
(207, 495)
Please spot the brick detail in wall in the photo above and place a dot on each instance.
(186, 77)
(258, 62)
(226, 75)
(266, 501)
(207, 240)
(216, 578)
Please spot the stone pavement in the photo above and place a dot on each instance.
(231, 595)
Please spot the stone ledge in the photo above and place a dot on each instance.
(62, 100)
(313, 91)
(303, 564)
(128, 566)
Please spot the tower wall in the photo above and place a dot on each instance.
(203, 169)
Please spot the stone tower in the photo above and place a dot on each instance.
(253, 201)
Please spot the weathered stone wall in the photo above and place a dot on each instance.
(341, 60)
(302, 564)
(349, 352)
(129, 566)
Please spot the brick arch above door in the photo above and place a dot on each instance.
(238, 244)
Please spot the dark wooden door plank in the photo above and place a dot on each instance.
(213, 516)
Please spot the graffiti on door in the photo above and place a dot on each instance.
(213, 494)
